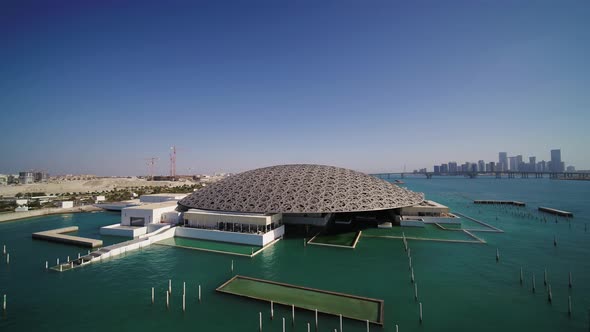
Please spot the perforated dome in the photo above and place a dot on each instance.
(301, 189)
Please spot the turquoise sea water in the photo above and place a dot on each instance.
(461, 286)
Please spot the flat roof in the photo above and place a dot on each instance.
(165, 195)
(229, 213)
(429, 203)
(152, 206)
(56, 235)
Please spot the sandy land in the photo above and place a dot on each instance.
(8, 216)
(76, 186)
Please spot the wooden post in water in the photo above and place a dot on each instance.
(184, 288)
(569, 305)
(545, 278)
(170, 286)
(78, 255)
(152, 295)
(497, 255)
(533, 282)
(7, 258)
(416, 292)
(199, 293)
(46, 265)
(167, 300)
(292, 314)
(68, 259)
(420, 312)
(183, 302)
(570, 280)
(396, 328)
(260, 321)
(367, 325)
(4, 303)
(283, 324)
(549, 295)
(308, 329)
(232, 265)
(4, 249)
(316, 319)
(272, 311)
(340, 322)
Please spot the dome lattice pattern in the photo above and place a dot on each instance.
(301, 189)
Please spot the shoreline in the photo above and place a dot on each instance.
(12, 216)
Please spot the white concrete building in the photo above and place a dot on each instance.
(145, 218)
(427, 212)
(26, 177)
(236, 227)
(426, 209)
(67, 204)
(157, 198)
(145, 214)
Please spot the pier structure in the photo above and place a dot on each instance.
(116, 249)
(560, 213)
(57, 235)
(500, 202)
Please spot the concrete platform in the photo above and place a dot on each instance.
(516, 203)
(332, 303)
(125, 231)
(56, 235)
(560, 213)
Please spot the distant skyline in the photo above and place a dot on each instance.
(543, 157)
(97, 87)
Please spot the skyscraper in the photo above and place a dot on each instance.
(532, 164)
(452, 167)
(513, 166)
(519, 163)
(502, 161)
(481, 166)
(556, 164)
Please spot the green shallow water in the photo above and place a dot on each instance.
(461, 286)
(361, 309)
(429, 231)
(341, 239)
(210, 245)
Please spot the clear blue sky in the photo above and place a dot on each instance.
(97, 86)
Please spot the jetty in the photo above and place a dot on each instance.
(326, 302)
(515, 203)
(56, 235)
(560, 213)
(116, 249)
